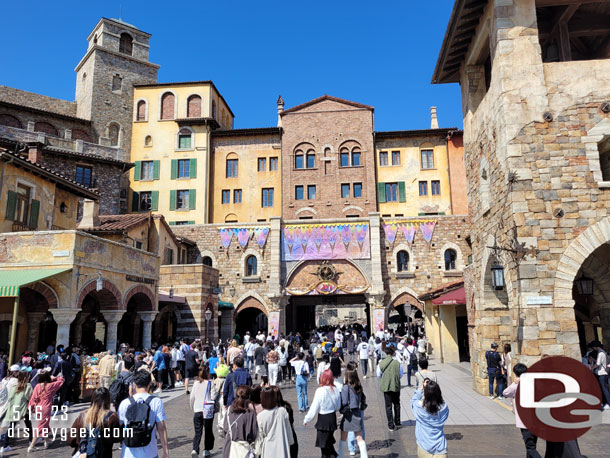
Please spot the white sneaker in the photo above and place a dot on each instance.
(607, 407)
(491, 397)
(5, 449)
(157, 391)
(352, 453)
(364, 376)
(194, 454)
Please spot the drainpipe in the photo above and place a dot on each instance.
(13, 331)
(449, 135)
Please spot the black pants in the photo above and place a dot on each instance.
(163, 378)
(392, 398)
(285, 373)
(172, 378)
(200, 424)
(530, 444)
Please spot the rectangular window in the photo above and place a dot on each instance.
(184, 168)
(232, 168)
(395, 157)
(272, 164)
(138, 245)
(357, 189)
(427, 159)
(423, 188)
(344, 159)
(237, 196)
(311, 161)
(226, 196)
(146, 200)
(383, 158)
(311, 192)
(298, 193)
(344, 190)
(182, 200)
(184, 141)
(262, 164)
(169, 258)
(391, 192)
(23, 203)
(435, 187)
(267, 198)
(83, 175)
(355, 158)
(182, 223)
(147, 170)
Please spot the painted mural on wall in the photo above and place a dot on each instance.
(409, 229)
(325, 241)
(328, 281)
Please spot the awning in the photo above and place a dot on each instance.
(12, 280)
(225, 305)
(164, 297)
(455, 297)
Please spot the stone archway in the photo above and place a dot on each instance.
(401, 319)
(251, 315)
(35, 303)
(138, 301)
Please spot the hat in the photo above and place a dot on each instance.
(222, 370)
(494, 345)
(15, 367)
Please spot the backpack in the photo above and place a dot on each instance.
(412, 358)
(119, 389)
(319, 352)
(137, 416)
(92, 445)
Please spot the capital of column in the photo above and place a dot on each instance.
(147, 317)
(113, 316)
(64, 316)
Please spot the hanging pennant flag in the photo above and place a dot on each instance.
(332, 234)
(408, 229)
(318, 236)
(260, 234)
(427, 229)
(346, 236)
(226, 235)
(289, 238)
(390, 232)
(243, 236)
(361, 234)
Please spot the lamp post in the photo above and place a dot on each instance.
(208, 317)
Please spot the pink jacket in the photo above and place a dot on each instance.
(510, 392)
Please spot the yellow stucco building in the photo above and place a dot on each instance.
(170, 146)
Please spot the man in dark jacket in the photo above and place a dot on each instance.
(494, 371)
(390, 372)
(63, 368)
(238, 377)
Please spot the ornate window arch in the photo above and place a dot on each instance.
(410, 257)
(185, 138)
(451, 256)
(167, 105)
(301, 152)
(141, 111)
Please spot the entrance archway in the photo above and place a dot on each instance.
(251, 315)
(403, 313)
(165, 326)
(130, 327)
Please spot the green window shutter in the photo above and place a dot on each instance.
(193, 168)
(172, 223)
(191, 222)
(135, 201)
(192, 199)
(154, 201)
(137, 172)
(381, 192)
(11, 205)
(420, 214)
(172, 199)
(34, 210)
(402, 197)
(156, 167)
(174, 174)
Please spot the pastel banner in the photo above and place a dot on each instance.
(379, 319)
(260, 234)
(226, 235)
(243, 235)
(427, 230)
(326, 241)
(274, 324)
(408, 231)
(390, 232)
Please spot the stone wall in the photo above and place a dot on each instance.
(37, 101)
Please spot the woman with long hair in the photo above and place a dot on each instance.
(41, 402)
(274, 429)
(240, 426)
(19, 395)
(98, 415)
(294, 447)
(326, 402)
(507, 364)
(352, 397)
(431, 413)
(203, 399)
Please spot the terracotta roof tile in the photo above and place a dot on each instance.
(327, 97)
(431, 294)
(120, 222)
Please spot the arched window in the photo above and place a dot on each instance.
(10, 120)
(355, 156)
(344, 157)
(311, 159)
(214, 109)
(298, 159)
(231, 218)
(126, 44)
(185, 138)
(232, 166)
(193, 107)
(207, 261)
(402, 261)
(47, 128)
(141, 111)
(148, 141)
(167, 105)
(251, 266)
(78, 134)
(113, 133)
(450, 257)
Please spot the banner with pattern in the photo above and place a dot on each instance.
(408, 229)
(325, 241)
(243, 235)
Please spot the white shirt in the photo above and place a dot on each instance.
(321, 368)
(260, 337)
(421, 345)
(379, 334)
(157, 415)
(601, 363)
(249, 348)
(298, 366)
(363, 349)
(326, 400)
(246, 339)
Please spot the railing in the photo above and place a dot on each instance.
(21, 227)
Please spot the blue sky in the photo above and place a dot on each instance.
(378, 53)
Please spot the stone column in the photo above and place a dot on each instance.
(375, 234)
(78, 329)
(275, 263)
(147, 318)
(63, 318)
(34, 320)
(112, 318)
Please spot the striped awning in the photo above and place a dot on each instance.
(12, 280)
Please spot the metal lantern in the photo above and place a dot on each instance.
(171, 292)
(497, 276)
(584, 286)
(208, 315)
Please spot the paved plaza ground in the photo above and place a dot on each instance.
(477, 426)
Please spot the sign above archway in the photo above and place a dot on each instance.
(341, 277)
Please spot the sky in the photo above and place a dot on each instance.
(378, 53)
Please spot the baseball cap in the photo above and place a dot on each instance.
(15, 367)
(494, 345)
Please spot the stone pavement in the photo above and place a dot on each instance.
(477, 426)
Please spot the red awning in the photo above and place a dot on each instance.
(455, 297)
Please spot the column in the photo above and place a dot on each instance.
(63, 318)
(147, 318)
(375, 234)
(78, 329)
(112, 318)
(274, 261)
(34, 320)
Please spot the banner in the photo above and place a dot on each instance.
(243, 235)
(378, 320)
(408, 229)
(274, 324)
(325, 241)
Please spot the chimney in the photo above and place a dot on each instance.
(35, 152)
(91, 211)
(433, 118)
(280, 110)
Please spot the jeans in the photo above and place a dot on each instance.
(302, 392)
(409, 372)
(392, 398)
(497, 375)
(249, 362)
(364, 363)
(352, 444)
(603, 381)
(273, 371)
(200, 424)
(530, 444)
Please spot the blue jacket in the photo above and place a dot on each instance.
(429, 428)
(238, 377)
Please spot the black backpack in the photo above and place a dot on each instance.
(413, 358)
(137, 416)
(92, 445)
(119, 389)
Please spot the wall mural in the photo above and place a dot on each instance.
(409, 228)
(326, 283)
(243, 235)
(325, 241)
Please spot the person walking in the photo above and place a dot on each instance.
(363, 352)
(494, 372)
(63, 369)
(191, 364)
(41, 403)
(326, 403)
(424, 374)
(274, 429)
(507, 368)
(294, 448)
(98, 416)
(352, 401)
(249, 349)
(600, 368)
(235, 379)
(322, 366)
(422, 347)
(233, 352)
(283, 364)
(106, 366)
(260, 355)
(203, 399)
(390, 372)
(431, 413)
(411, 357)
(301, 368)
(372, 361)
(240, 426)
(273, 359)
(18, 397)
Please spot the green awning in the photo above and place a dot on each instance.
(12, 280)
(225, 305)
